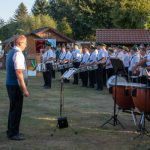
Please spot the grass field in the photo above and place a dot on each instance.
(86, 110)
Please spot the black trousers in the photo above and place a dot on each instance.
(15, 109)
(48, 75)
(84, 78)
(76, 76)
(99, 77)
(92, 78)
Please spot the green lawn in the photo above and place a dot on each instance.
(85, 108)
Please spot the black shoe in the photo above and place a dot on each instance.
(47, 87)
(17, 137)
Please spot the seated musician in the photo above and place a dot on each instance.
(84, 61)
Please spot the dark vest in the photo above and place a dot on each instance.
(11, 77)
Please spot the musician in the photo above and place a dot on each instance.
(92, 61)
(101, 61)
(67, 59)
(119, 52)
(48, 60)
(62, 58)
(54, 60)
(126, 57)
(84, 61)
(143, 63)
(76, 59)
(109, 67)
(134, 60)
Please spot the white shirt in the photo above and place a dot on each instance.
(48, 54)
(101, 54)
(68, 55)
(76, 55)
(19, 63)
(108, 62)
(126, 59)
(148, 60)
(62, 55)
(133, 61)
(119, 55)
(93, 56)
(85, 57)
(19, 60)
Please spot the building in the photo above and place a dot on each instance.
(126, 37)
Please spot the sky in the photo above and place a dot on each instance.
(8, 7)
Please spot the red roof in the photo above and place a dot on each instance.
(123, 36)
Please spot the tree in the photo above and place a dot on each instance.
(131, 13)
(40, 7)
(21, 13)
(64, 27)
(2, 23)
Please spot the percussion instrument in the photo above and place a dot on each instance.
(69, 73)
(55, 66)
(41, 67)
(112, 79)
(92, 67)
(141, 98)
(60, 67)
(83, 69)
(122, 95)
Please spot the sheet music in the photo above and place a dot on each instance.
(69, 73)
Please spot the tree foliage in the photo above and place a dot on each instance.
(40, 7)
(21, 13)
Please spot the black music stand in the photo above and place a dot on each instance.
(119, 70)
(62, 122)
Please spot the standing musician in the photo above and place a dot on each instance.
(119, 53)
(48, 60)
(76, 59)
(92, 61)
(126, 58)
(134, 60)
(101, 61)
(62, 58)
(67, 59)
(84, 61)
(144, 62)
(54, 60)
(109, 67)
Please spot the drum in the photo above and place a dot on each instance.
(70, 65)
(112, 79)
(83, 69)
(141, 98)
(122, 94)
(65, 66)
(41, 67)
(60, 67)
(94, 67)
(89, 68)
(55, 66)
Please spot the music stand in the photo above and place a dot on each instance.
(119, 70)
(62, 121)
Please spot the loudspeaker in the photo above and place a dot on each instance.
(62, 122)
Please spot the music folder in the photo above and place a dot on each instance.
(118, 66)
